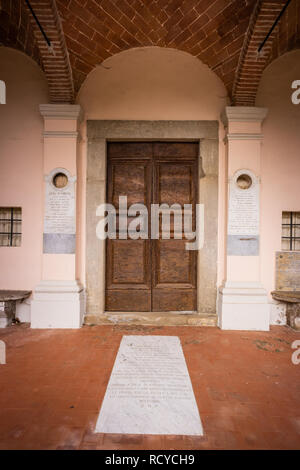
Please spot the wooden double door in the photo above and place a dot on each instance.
(158, 275)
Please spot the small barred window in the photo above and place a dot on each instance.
(290, 239)
(10, 226)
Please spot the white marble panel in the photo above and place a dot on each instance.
(149, 391)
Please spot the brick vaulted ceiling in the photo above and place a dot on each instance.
(224, 34)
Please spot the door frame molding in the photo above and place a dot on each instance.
(99, 132)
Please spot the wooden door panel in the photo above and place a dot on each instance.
(173, 150)
(174, 183)
(151, 275)
(130, 300)
(129, 179)
(173, 264)
(130, 150)
(173, 300)
(128, 261)
(174, 267)
(128, 278)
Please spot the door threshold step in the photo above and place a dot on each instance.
(153, 318)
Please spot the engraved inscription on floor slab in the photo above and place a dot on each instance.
(150, 391)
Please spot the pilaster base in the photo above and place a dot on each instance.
(4, 322)
(57, 304)
(9, 313)
(243, 307)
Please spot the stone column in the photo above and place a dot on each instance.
(243, 302)
(58, 298)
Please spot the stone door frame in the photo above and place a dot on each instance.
(99, 132)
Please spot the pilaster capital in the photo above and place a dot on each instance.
(61, 111)
(243, 114)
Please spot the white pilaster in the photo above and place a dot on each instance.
(58, 300)
(57, 304)
(242, 301)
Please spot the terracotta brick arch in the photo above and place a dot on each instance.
(288, 34)
(16, 30)
(284, 37)
(224, 34)
(212, 30)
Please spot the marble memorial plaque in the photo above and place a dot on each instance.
(243, 215)
(149, 391)
(59, 218)
(288, 271)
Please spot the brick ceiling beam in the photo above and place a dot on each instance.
(251, 64)
(56, 65)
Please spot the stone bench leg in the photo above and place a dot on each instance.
(293, 315)
(7, 313)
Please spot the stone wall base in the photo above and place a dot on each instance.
(244, 307)
(152, 318)
(57, 304)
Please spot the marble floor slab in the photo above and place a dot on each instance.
(150, 391)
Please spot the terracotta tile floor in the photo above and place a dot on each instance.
(246, 387)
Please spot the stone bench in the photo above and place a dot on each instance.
(292, 300)
(8, 300)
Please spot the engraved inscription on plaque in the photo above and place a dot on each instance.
(150, 391)
(243, 215)
(288, 271)
(59, 218)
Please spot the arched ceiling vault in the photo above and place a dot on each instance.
(224, 34)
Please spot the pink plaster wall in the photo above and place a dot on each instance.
(152, 84)
(149, 83)
(21, 165)
(280, 165)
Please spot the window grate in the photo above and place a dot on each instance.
(10, 226)
(290, 238)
